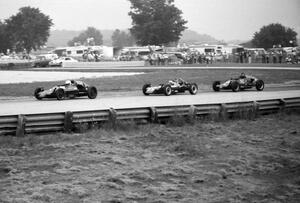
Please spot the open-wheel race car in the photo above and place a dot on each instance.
(171, 87)
(70, 89)
(240, 83)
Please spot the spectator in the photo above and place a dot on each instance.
(249, 57)
(267, 58)
(263, 58)
(274, 57)
(241, 57)
(280, 56)
(294, 56)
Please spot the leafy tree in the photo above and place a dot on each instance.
(4, 38)
(156, 22)
(121, 39)
(28, 29)
(274, 34)
(91, 36)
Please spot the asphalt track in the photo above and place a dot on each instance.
(83, 104)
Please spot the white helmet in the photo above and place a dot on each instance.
(68, 82)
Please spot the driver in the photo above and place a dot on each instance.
(242, 76)
(70, 83)
(246, 78)
(176, 82)
(180, 81)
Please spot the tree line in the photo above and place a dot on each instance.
(28, 30)
(154, 22)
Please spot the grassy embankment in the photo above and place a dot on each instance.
(246, 160)
(203, 78)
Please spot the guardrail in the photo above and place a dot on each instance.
(20, 125)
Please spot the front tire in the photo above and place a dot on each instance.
(235, 87)
(37, 91)
(60, 94)
(92, 92)
(193, 89)
(167, 90)
(145, 89)
(216, 86)
(260, 85)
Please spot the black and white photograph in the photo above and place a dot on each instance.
(149, 101)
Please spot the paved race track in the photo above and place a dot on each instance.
(83, 104)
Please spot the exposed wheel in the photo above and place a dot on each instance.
(193, 88)
(92, 92)
(60, 94)
(167, 90)
(260, 85)
(145, 89)
(235, 87)
(216, 86)
(37, 91)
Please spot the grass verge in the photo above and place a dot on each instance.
(248, 160)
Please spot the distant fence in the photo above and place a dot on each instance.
(65, 121)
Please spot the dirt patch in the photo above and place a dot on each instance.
(232, 161)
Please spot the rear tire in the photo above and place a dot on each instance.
(216, 86)
(260, 85)
(167, 90)
(92, 92)
(145, 89)
(60, 94)
(37, 91)
(235, 87)
(193, 89)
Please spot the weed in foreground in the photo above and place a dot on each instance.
(244, 113)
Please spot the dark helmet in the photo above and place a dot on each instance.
(243, 75)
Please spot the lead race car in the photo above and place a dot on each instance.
(240, 83)
(171, 87)
(70, 89)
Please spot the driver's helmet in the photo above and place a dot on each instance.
(68, 82)
(180, 81)
(243, 75)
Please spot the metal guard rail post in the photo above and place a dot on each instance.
(21, 125)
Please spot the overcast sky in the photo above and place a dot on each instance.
(222, 19)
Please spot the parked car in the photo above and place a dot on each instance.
(70, 89)
(240, 83)
(60, 61)
(171, 87)
(41, 61)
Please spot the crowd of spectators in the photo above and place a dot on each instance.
(195, 57)
(92, 56)
(190, 56)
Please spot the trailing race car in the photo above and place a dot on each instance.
(240, 83)
(171, 87)
(70, 89)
